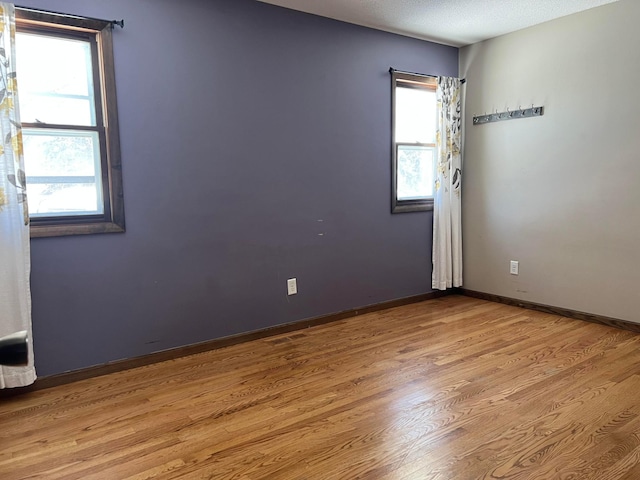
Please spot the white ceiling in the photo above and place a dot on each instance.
(452, 22)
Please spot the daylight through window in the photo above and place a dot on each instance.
(69, 120)
(414, 142)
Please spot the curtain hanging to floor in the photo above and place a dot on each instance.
(15, 261)
(447, 224)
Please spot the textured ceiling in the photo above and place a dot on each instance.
(452, 22)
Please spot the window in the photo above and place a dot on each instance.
(69, 124)
(414, 142)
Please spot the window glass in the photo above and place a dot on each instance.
(63, 172)
(415, 115)
(415, 172)
(56, 80)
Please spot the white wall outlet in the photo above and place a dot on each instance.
(513, 269)
(292, 286)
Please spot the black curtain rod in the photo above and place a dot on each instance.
(120, 23)
(391, 70)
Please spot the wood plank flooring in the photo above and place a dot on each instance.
(452, 388)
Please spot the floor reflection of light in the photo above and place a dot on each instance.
(417, 429)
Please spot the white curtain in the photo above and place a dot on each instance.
(15, 263)
(447, 224)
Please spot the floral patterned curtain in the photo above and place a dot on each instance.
(15, 261)
(447, 224)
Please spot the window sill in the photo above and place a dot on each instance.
(412, 206)
(39, 231)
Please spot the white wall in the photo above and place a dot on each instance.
(560, 193)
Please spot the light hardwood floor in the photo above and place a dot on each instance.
(452, 388)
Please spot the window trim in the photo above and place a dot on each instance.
(112, 220)
(415, 81)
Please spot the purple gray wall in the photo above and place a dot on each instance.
(256, 147)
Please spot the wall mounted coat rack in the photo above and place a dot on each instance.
(508, 115)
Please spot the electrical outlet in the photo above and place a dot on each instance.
(513, 269)
(292, 286)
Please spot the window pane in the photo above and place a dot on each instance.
(55, 78)
(63, 172)
(415, 115)
(415, 172)
(60, 199)
(54, 109)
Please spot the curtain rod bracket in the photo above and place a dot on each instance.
(119, 23)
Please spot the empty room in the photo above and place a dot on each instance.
(304, 239)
